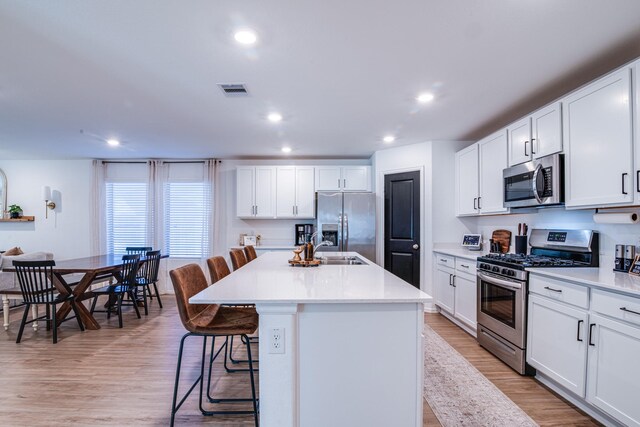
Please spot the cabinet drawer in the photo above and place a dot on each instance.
(466, 266)
(445, 260)
(558, 290)
(612, 305)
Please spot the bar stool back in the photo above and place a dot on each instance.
(250, 252)
(237, 258)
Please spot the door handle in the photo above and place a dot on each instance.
(629, 311)
(479, 202)
(532, 152)
(591, 334)
(525, 149)
(453, 280)
(475, 201)
(638, 181)
(623, 175)
(346, 232)
(344, 183)
(416, 246)
(578, 333)
(450, 279)
(338, 183)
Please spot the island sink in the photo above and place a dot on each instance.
(341, 260)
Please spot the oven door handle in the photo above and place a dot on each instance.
(499, 282)
(534, 183)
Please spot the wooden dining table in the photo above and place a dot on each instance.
(93, 268)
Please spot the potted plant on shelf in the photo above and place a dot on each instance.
(15, 211)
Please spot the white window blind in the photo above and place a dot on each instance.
(187, 207)
(126, 215)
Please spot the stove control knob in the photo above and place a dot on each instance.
(505, 271)
(495, 269)
(511, 273)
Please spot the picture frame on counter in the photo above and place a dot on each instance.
(249, 240)
(635, 266)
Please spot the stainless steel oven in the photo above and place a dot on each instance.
(502, 317)
(536, 183)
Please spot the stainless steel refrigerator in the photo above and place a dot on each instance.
(348, 220)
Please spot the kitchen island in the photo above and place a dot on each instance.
(351, 351)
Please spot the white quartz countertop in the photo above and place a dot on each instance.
(603, 278)
(460, 252)
(270, 279)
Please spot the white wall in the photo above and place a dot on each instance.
(66, 231)
(435, 161)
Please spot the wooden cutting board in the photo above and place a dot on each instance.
(504, 238)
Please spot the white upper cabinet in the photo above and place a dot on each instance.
(636, 124)
(546, 131)
(466, 181)
(519, 141)
(295, 195)
(537, 135)
(493, 159)
(598, 143)
(343, 178)
(256, 192)
(245, 191)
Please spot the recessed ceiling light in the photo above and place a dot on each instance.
(245, 36)
(425, 97)
(286, 149)
(389, 139)
(274, 117)
(113, 142)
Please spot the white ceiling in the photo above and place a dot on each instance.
(342, 73)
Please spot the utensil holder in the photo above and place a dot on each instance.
(521, 245)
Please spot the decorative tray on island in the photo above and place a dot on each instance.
(303, 263)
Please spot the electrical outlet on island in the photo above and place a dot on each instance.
(276, 340)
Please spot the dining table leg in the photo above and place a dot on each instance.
(80, 294)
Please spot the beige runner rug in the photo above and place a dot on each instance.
(459, 394)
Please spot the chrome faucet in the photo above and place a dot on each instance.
(323, 243)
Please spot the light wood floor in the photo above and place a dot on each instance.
(125, 376)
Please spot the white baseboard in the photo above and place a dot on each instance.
(462, 325)
(429, 307)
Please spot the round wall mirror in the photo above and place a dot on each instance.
(3, 193)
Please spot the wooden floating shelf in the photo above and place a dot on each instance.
(21, 219)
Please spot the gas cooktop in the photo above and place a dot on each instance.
(521, 261)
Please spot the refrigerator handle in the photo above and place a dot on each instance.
(340, 234)
(346, 232)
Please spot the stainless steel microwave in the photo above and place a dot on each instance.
(536, 183)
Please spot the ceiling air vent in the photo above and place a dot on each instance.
(233, 89)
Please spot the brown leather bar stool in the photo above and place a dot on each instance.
(218, 269)
(237, 258)
(213, 321)
(250, 253)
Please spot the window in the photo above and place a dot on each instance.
(126, 215)
(187, 207)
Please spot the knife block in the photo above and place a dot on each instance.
(521, 245)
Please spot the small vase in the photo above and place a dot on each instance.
(15, 215)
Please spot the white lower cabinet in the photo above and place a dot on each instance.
(613, 381)
(456, 289)
(556, 342)
(445, 292)
(591, 352)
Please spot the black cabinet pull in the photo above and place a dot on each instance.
(578, 334)
(453, 280)
(475, 200)
(638, 181)
(591, 333)
(525, 148)
(479, 202)
(532, 152)
(629, 311)
(623, 175)
(553, 290)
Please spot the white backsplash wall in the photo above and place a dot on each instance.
(559, 218)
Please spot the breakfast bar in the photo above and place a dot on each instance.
(340, 345)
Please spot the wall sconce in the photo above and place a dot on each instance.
(46, 196)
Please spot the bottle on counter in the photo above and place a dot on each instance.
(309, 251)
